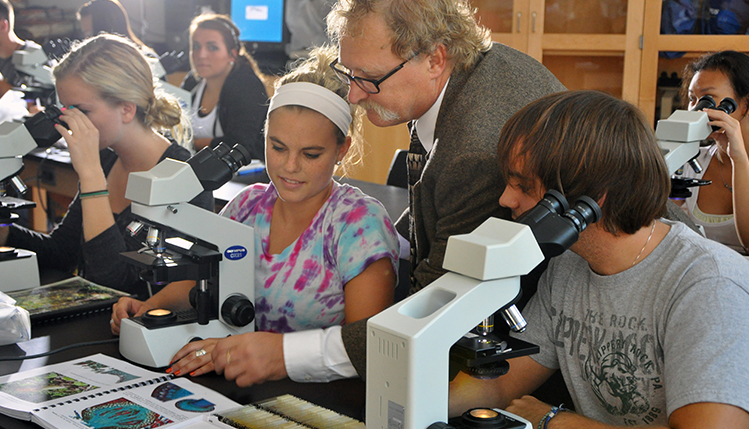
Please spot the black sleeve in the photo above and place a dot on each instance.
(60, 249)
(102, 261)
(242, 109)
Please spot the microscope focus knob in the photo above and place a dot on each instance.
(238, 311)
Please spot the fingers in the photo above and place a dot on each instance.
(250, 358)
(193, 359)
(115, 327)
(82, 138)
(78, 124)
(122, 309)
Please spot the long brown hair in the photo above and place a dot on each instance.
(590, 143)
(230, 33)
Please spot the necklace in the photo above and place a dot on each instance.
(646, 244)
(720, 170)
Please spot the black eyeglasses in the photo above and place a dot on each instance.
(370, 86)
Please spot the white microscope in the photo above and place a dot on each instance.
(18, 267)
(680, 136)
(408, 345)
(186, 242)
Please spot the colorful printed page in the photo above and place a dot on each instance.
(169, 404)
(24, 392)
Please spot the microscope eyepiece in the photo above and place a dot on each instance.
(41, 126)
(705, 102)
(727, 105)
(555, 225)
(215, 166)
(583, 213)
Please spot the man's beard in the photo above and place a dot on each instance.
(386, 115)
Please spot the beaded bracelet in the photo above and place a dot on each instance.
(550, 415)
(84, 195)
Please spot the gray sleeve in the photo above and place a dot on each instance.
(705, 357)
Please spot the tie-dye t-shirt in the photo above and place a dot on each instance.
(302, 287)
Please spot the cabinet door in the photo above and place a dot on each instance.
(507, 20)
(589, 45)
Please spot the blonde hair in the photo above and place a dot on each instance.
(116, 68)
(315, 69)
(230, 33)
(418, 26)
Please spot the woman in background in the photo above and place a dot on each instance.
(326, 253)
(230, 100)
(114, 120)
(722, 207)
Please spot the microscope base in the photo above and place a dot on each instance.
(20, 271)
(155, 347)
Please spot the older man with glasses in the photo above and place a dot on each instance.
(428, 63)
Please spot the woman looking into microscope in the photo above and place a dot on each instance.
(326, 254)
(722, 207)
(229, 97)
(114, 119)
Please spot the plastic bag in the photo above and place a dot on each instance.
(677, 17)
(725, 16)
(15, 323)
(12, 106)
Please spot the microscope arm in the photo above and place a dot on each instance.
(32, 61)
(15, 142)
(680, 135)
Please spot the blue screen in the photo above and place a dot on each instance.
(258, 20)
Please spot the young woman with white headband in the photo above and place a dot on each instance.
(326, 253)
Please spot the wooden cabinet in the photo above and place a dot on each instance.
(693, 45)
(587, 45)
(379, 147)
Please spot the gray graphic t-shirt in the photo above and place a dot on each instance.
(635, 346)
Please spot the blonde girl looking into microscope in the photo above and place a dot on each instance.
(115, 119)
(326, 253)
(722, 207)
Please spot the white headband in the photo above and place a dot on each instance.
(315, 97)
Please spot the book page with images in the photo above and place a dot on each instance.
(173, 403)
(69, 294)
(26, 391)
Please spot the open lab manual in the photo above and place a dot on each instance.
(99, 391)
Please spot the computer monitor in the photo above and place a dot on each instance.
(259, 21)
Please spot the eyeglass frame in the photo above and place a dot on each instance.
(356, 79)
